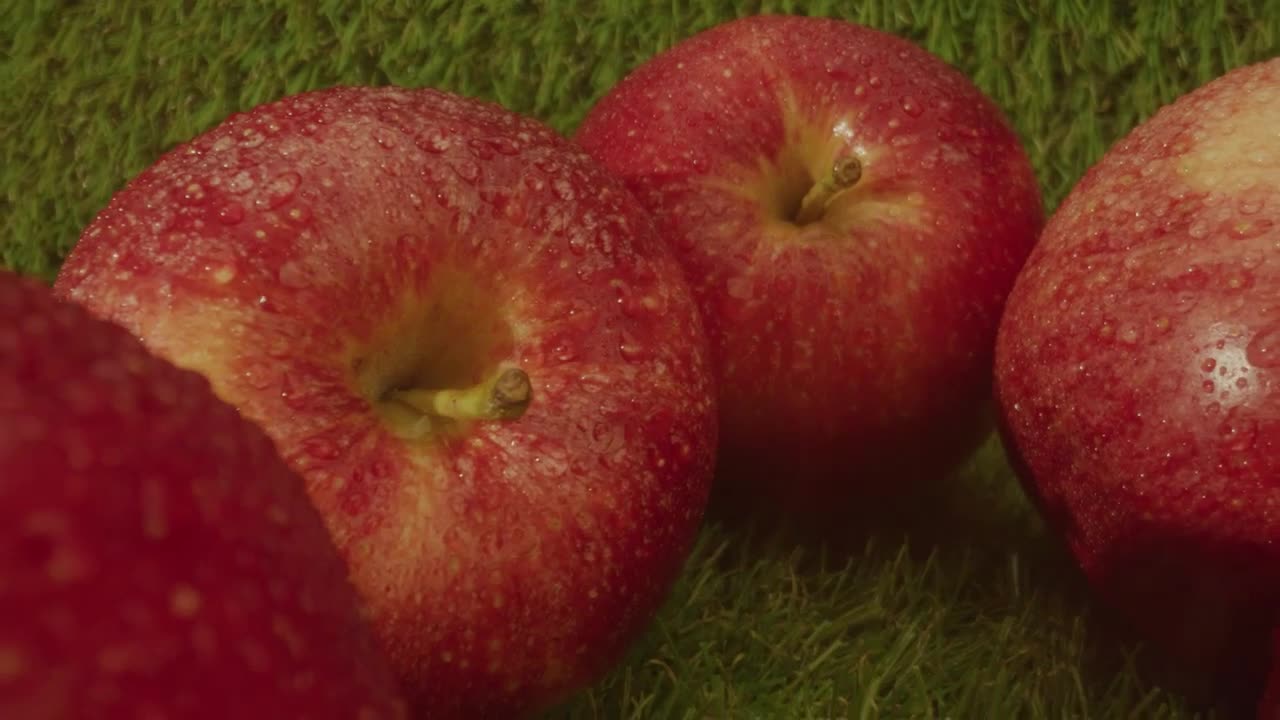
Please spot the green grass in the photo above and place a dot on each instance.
(984, 619)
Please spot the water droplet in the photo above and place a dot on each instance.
(875, 81)
(292, 275)
(224, 275)
(193, 194)
(241, 182)
(1237, 433)
(912, 107)
(1264, 348)
(231, 213)
(630, 348)
(563, 189)
(163, 221)
(251, 138)
(435, 140)
(1194, 278)
(552, 465)
(480, 150)
(1249, 228)
(505, 146)
(467, 170)
(278, 191)
(1208, 386)
(1208, 364)
(384, 137)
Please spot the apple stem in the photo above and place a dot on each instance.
(845, 173)
(502, 397)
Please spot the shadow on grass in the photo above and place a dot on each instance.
(982, 536)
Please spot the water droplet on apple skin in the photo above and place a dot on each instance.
(1264, 349)
(1238, 432)
(631, 349)
(231, 213)
(385, 138)
(240, 183)
(292, 275)
(278, 191)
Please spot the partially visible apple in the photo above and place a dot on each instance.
(1138, 375)
(468, 340)
(851, 212)
(157, 559)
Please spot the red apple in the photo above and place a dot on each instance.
(850, 212)
(470, 343)
(1139, 380)
(157, 558)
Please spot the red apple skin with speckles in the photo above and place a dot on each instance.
(315, 253)
(1138, 374)
(853, 352)
(157, 558)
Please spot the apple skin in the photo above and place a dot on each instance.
(314, 253)
(1138, 380)
(853, 352)
(157, 558)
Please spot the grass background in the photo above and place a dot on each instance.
(965, 609)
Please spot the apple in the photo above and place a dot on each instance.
(157, 558)
(850, 212)
(1139, 380)
(468, 340)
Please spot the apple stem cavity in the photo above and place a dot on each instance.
(844, 174)
(504, 396)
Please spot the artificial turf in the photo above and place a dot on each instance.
(966, 609)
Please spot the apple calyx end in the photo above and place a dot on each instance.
(503, 396)
(845, 173)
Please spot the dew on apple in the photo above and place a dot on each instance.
(1264, 349)
(292, 275)
(384, 137)
(241, 182)
(251, 138)
(13, 663)
(278, 191)
(630, 349)
(467, 170)
(184, 601)
(231, 213)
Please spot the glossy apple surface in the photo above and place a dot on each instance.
(851, 329)
(157, 558)
(1138, 374)
(334, 261)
